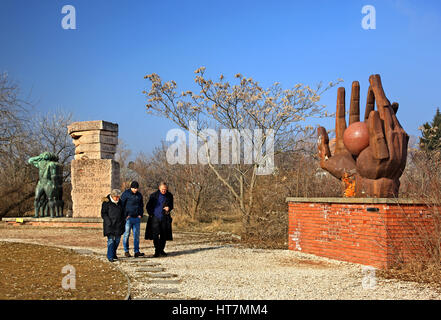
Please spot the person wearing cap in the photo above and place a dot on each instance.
(133, 205)
(113, 216)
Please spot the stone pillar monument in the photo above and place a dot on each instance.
(94, 172)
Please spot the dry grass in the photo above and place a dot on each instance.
(269, 231)
(414, 271)
(422, 182)
(420, 260)
(216, 222)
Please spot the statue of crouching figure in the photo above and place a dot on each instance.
(49, 190)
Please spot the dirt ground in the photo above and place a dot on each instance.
(31, 271)
(72, 237)
(35, 272)
(32, 258)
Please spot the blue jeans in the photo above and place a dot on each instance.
(135, 224)
(112, 246)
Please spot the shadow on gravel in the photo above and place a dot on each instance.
(191, 251)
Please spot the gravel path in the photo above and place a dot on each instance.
(204, 267)
(216, 270)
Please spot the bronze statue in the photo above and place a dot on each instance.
(376, 169)
(49, 190)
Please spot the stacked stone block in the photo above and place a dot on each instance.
(94, 139)
(94, 172)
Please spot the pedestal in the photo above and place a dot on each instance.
(369, 231)
(92, 180)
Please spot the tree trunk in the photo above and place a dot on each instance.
(196, 201)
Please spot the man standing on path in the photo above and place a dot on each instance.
(159, 228)
(134, 208)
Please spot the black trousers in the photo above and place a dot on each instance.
(159, 243)
(160, 236)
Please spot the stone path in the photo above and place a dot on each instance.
(149, 276)
(157, 278)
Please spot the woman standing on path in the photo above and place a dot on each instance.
(114, 220)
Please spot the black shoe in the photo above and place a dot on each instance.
(156, 255)
(127, 254)
(111, 260)
(139, 254)
(163, 254)
(115, 258)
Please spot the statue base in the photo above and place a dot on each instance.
(92, 180)
(377, 232)
(55, 222)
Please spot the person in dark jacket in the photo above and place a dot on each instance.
(159, 223)
(114, 219)
(133, 205)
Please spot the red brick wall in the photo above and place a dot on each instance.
(348, 232)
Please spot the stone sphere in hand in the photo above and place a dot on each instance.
(356, 137)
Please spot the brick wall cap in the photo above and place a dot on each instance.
(356, 200)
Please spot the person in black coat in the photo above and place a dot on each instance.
(159, 223)
(133, 205)
(114, 220)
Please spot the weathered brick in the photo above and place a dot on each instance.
(349, 232)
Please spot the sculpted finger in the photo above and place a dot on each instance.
(395, 106)
(323, 144)
(391, 137)
(370, 104)
(377, 140)
(396, 123)
(354, 111)
(340, 121)
(380, 96)
(389, 124)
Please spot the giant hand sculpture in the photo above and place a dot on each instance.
(377, 168)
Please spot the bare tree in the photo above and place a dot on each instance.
(242, 106)
(13, 115)
(50, 131)
(195, 187)
(122, 156)
(123, 153)
(25, 133)
(15, 147)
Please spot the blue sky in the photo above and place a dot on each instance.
(97, 71)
